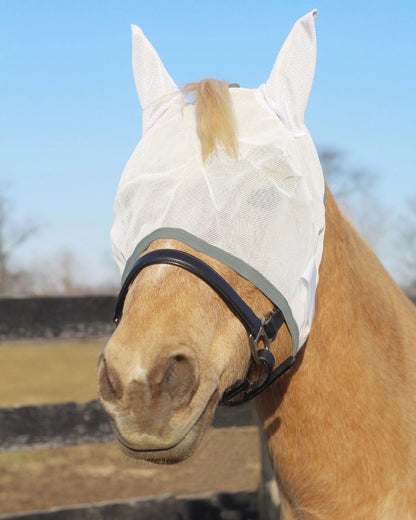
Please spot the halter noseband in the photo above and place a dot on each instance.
(258, 330)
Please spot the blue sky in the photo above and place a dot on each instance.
(70, 118)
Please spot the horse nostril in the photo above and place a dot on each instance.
(177, 376)
(181, 380)
(109, 383)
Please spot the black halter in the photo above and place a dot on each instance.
(258, 330)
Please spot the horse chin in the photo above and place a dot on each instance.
(183, 449)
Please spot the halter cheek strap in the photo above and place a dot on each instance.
(259, 330)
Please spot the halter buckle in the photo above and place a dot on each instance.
(261, 336)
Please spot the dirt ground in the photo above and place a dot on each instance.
(227, 460)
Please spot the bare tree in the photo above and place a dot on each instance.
(62, 273)
(345, 182)
(354, 189)
(58, 274)
(12, 237)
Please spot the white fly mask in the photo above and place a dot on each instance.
(262, 213)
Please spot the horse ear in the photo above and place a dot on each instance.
(155, 88)
(287, 90)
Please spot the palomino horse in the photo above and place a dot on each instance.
(340, 420)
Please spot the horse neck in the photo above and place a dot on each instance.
(357, 299)
(334, 419)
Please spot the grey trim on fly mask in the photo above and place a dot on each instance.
(242, 268)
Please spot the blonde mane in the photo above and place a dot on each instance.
(216, 122)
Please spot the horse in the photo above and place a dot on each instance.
(339, 411)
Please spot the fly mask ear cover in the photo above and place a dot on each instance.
(262, 213)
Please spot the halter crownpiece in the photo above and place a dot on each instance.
(261, 213)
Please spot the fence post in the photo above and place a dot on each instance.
(268, 493)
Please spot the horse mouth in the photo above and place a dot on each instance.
(182, 449)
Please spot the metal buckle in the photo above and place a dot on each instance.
(254, 342)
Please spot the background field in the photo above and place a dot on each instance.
(48, 372)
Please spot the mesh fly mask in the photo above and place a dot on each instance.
(261, 213)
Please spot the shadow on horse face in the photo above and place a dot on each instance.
(176, 350)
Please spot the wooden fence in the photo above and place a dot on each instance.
(47, 426)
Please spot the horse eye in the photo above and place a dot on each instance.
(265, 198)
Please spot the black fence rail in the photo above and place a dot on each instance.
(56, 317)
(220, 506)
(59, 317)
(70, 424)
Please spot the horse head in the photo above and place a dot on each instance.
(231, 180)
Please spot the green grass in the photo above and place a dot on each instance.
(48, 372)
